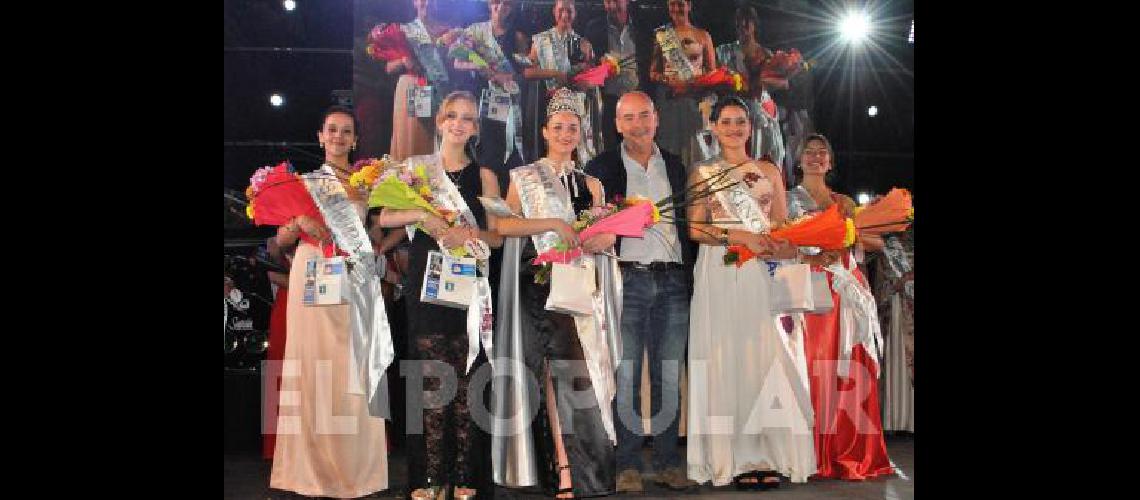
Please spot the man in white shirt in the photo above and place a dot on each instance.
(657, 282)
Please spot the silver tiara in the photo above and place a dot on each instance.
(564, 99)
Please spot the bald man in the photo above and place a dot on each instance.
(657, 273)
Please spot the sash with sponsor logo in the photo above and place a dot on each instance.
(737, 201)
(371, 349)
(542, 195)
(446, 195)
(676, 64)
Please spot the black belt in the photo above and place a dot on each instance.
(652, 266)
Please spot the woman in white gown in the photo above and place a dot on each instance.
(750, 412)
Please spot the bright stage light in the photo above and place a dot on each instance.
(855, 27)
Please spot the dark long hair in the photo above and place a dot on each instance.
(338, 109)
(830, 177)
(731, 100)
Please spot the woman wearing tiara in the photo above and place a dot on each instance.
(571, 443)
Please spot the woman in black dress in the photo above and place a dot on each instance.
(448, 449)
(570, 442)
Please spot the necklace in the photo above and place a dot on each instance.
(456, 175)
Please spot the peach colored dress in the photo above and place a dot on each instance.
(327, 443)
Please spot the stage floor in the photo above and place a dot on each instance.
(247, 477)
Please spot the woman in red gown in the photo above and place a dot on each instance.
(842, 357)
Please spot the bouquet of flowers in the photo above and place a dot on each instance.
(635, 216)
(608, 66)
(465, 46)
(462, 48)
(892, 213)
(828, 230)
(784, 65)
(562, 253)
(386, 42)
(366, 172)
(629, 217)
(721, 78)
(411, 188)
(276, 195)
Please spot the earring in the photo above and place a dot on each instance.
(322, 145)
(354, 146)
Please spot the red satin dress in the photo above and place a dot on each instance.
(276, 353)
(848, 429)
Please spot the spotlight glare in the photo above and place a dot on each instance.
(276, 100)
(290, 5)
(872, 111)
(863, 198)
(855, 27)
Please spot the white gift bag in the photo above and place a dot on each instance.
(821, 293)
(572, 289)
(791, 288)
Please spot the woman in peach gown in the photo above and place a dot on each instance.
(328, 444)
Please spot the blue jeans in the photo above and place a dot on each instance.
(655, 317)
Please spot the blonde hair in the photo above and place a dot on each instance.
(452, 98)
